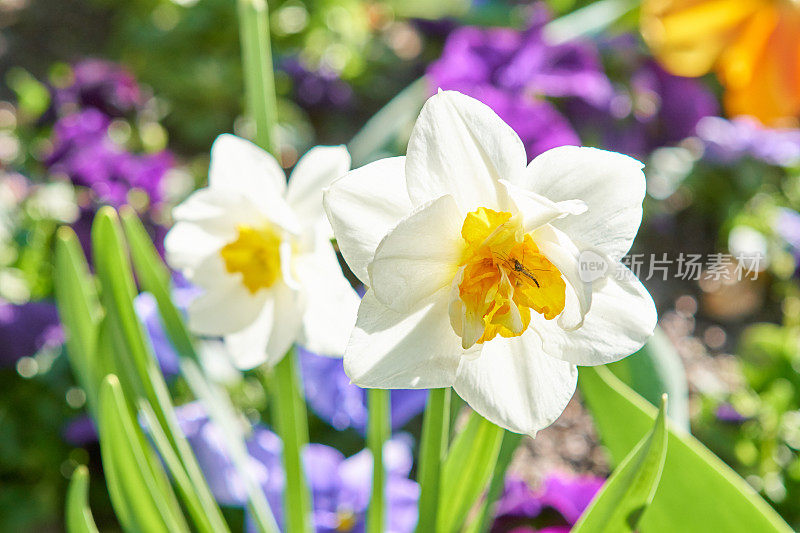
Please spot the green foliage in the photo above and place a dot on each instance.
(625, 497)
(467, 470)
(691, 472)
(79, 517)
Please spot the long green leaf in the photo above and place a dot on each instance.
(155, 278)
(258, 74)
(143, 502)
(79, 517)
(133, 357)
(434, 442)
(291, 423)
(624, 498)
(467, 471)
(378, 430)
(692, 476)
(79, 311)
(483, 519)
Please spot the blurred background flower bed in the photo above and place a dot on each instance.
(118, 103)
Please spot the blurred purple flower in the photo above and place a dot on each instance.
(520, 508)
(101, 85)
(727, 141)
(27, 328)
(514, 71)
(340, 486)
(321, 88)
(649, 108)
(729, 414)
(787, 225)
(343, 405)
(83, 151)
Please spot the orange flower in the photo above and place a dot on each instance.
(752, 45)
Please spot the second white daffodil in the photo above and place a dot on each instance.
(261, 252)
(473, 262)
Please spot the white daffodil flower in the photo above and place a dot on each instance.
(473, 262)
(261, 252)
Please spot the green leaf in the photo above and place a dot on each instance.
(155, 278)
(140, 494)
(692, 475)
(656, 370)
(258, 75)
(379, 429)
(624, 498)
(432, 452)
(79, 311)
(291, 424)
(467, 471)
(485, 514)
(139, 371)
(79, 517)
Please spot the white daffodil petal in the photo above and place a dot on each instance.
(390, 350)
(286, 323)
(331, 303)
(241, 166)
(419, 256)
(317, 169)
(363, 206)
(622, 318)
(247, 348)
(611, 184)
(537, 210)
(224, 309)
(218, 212)
(459, 146)
(562, 252)
(187, 245)
(515, 384)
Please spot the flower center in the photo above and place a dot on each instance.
(256, 254)
(346, 521)
(502, 276)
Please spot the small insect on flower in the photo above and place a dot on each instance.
(472, 259)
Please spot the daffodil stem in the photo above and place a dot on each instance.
(433, 449)
(291, 422)
(378, 430)
(259, 78)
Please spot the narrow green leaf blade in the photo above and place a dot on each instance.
(79, 311)
(79, 517)
(691, 472)
(143, 502)
(467, 470)
(624, 498)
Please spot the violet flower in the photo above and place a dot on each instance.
(102, 85)
(340, 486)
(343, 405)
(86, 154)
(514, 71)
(728, 414)
(728, 141)
(27, 328)
(317, 89)
(523, 510)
